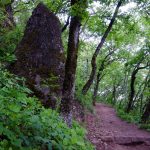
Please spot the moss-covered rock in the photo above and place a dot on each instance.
(40, 55)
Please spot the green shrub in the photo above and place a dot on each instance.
(145, 126)
(85, 100)
(133, 117)
(129, 117)
(8, 41)
(26, 125)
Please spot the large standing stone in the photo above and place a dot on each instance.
(40, 55)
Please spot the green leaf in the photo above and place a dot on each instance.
(14, 108)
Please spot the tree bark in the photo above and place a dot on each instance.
(93, 61)
(70, 68)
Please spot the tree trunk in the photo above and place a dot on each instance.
(70, 69)
(147, 84)
(98, 78)
(132, 91)
(146, 113)
(93, 61)
(96, 89)
(114, 95)
(104, 63)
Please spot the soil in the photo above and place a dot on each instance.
(108, 132)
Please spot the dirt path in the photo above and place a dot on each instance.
(108, 132)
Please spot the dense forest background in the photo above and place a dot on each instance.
(107, 49)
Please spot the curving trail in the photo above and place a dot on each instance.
(108, 132)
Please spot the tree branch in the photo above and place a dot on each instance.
(66, 25)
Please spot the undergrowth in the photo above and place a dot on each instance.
(84, 100)
(26, 125)
(132, 117)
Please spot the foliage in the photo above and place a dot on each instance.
(85, 100)
(79, 9)
(145, 126)
(132, 117)
(4, 2)
(8, 42)
(57, 6)
(83, 70)
(25, 124)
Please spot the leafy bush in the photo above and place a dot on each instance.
(145, 126)
(85, 100)
(8, 41)
(132, 117)
(26, 125)
(129, 117)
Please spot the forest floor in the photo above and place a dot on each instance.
(108, 132)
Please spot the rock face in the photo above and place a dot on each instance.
(40, 56)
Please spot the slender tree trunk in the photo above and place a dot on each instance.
(126, 82)
(106, 61)
(146, 114)
(147, 82)
(132, 92)
(98, 78)
(70, 69)
(141, 103)
(93, 61)
(114, 95)
(96, 89)
(132, 89)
